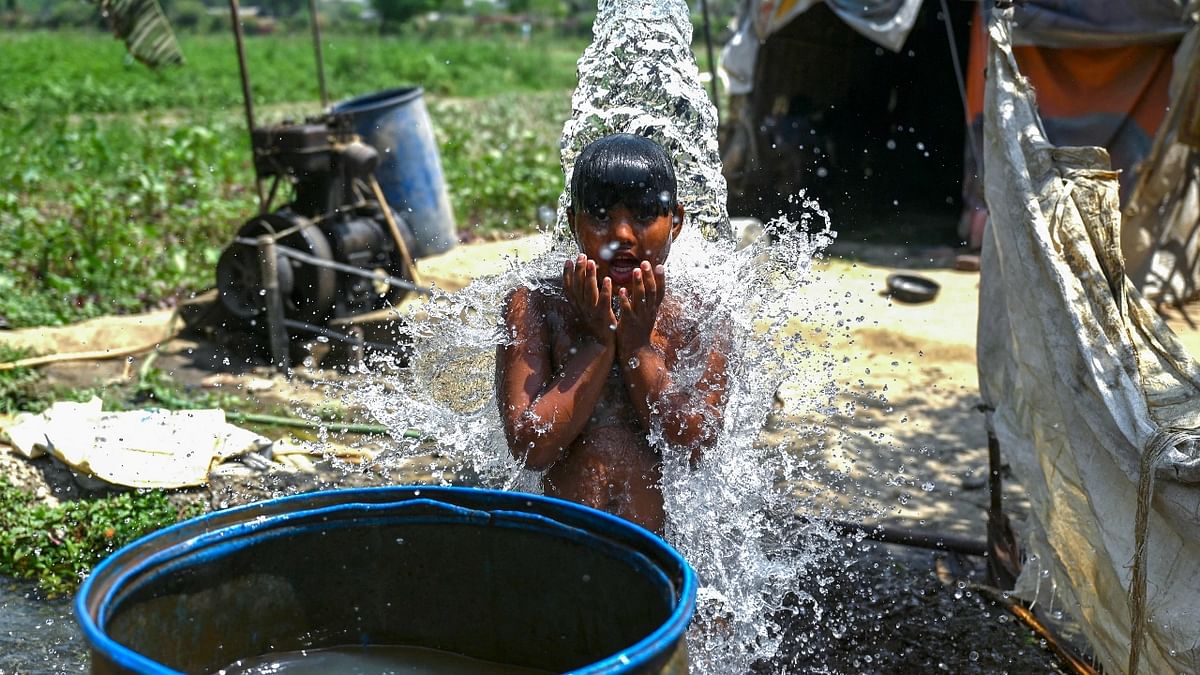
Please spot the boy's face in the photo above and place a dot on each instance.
(619, 239)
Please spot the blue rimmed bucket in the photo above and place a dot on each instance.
(396, 123)
(505, 577)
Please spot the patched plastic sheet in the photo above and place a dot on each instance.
(1160, 234)
(885, 22)
(1083, 379)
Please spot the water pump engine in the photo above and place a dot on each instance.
(332, 227)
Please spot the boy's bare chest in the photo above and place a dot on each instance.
(614, 407)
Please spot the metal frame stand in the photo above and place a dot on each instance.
(276, 322)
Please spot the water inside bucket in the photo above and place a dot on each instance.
(373, 660)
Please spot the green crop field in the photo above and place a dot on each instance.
(63, 72)
(121, 185)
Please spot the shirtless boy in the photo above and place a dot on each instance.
(586, 373)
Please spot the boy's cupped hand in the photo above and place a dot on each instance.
(590, 298)
(639, 307)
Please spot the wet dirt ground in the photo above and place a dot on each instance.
(909, 611)
(906, 438)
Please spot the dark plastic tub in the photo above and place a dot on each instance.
(912, 288)
(500, 576)
(396, 123)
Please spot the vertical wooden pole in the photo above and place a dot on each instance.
(315, 22)
(247, 97)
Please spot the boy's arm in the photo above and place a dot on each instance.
(544, 412)
(691, 419)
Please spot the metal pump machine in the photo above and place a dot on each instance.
(336, 248)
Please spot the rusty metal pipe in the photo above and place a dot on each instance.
(995, 482)
(411, 265)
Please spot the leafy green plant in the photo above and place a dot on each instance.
(158, 389)
(145, 29)
(160, 199)
(501, 157)
(90, 73)
(18, 387)
(57, 546)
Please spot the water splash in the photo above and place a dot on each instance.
(639, 76)
(734, 517)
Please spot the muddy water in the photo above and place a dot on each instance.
(37, 636)
(373, 660)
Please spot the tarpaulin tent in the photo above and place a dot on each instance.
(1160, 233)
(886, 22)
(1095, 403)
(856, 102)
(1101, 67)
(1101, 70)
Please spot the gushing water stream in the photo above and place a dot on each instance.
(733, 517)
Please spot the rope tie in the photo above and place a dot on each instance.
(1162, 441)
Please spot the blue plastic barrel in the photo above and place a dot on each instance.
(506, 577)
(396, 123)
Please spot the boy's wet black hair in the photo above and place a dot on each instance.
(623, 169)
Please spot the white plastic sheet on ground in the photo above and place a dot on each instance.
(1084, 379)
(137, 448)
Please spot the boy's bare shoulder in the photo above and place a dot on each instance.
(538, 299)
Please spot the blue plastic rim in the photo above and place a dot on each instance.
(192, 543)
(396, 123)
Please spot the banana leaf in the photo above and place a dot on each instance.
(145, 29)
